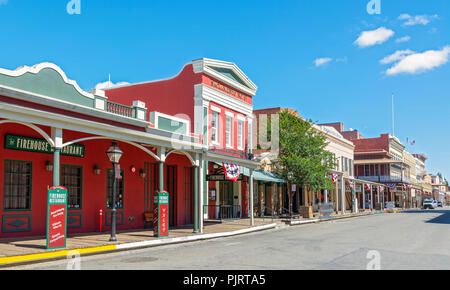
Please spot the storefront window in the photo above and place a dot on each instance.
(17, 185)
(109, 190)
(71, 178)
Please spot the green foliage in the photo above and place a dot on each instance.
(302, 152)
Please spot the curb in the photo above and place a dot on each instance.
(293, 223)
(55, 255)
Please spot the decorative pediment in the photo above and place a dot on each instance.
(226, 72)
(47, 80)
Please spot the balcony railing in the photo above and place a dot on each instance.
(119, 109)
(223, 212)
(385, 179)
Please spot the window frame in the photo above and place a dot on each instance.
(215, 118)
(30, 191)
(68, 190)
(228, 133)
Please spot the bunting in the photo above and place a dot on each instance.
(232, 171)
(334, 177)
(392, 185)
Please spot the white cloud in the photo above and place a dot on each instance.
(420, 62)
(3, 2)
(418, 19)
(109, 84)
(403, 39)
(322, 61)
(373, 37)
(398, 55)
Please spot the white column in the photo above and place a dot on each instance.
(342, 195)
(252, 221)
(371, 197)
(363, 190)
(337, 196)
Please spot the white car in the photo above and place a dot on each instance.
(431, 204)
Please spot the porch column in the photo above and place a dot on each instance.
(342, 195)
(371, 198)
(57, 138)
(363, 190)
(325, 192)
(252, 219)
(196, 225)
(336, 195)
(162, 156)
(201, 192)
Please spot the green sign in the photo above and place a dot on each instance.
(41, 146)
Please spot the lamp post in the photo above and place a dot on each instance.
(114, 153)
(290, 176)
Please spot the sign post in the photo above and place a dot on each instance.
(161, 214)
(56, 217)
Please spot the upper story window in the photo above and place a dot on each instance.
(366, 170)
(215, 127)
(229, 131)
(240, 135)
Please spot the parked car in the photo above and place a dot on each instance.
(439, 204)
(430, 204)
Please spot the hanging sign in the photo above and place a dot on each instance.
(40, 146)
(232, 171)
(56, 217)
(161, 214)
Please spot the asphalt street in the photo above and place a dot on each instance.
(413, 240)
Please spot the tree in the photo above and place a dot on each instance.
(302, 152)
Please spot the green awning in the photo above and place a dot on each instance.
(260, 175)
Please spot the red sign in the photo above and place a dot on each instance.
(56, 217)
(161, 214)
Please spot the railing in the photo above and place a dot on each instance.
(223, 212)
(119, 109)
(384, 178)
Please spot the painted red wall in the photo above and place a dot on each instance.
(172, 96)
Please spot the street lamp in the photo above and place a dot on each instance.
(290, 176)
(114, 153)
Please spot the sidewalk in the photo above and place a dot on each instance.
(25, 250)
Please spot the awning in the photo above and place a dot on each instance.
(260, 175)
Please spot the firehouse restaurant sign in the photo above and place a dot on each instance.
(161, 214)
(41, 146)
(56, 217)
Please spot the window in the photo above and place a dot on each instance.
(366, 170)
(377, 170)
(17, 185)
(109, 189)
(71, 178)
(240, 136)
(346, 164)
(228, 132)
(350, 167)
(215, 127)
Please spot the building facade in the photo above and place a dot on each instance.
(213, 99)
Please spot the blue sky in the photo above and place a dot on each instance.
(276, 43)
